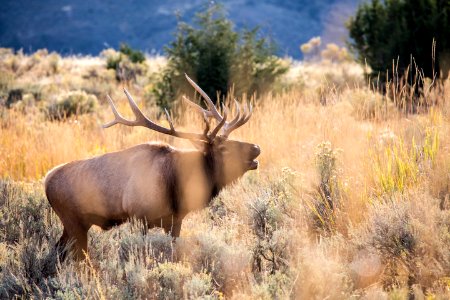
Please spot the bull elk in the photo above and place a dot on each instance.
(153, 182)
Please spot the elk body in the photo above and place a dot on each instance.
(154, 182)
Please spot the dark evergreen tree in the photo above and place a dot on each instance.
(391, 30)
(216, 57)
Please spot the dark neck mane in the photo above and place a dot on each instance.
(173, 184)
(211, 167)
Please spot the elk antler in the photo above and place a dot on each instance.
(212, 112)
(143, 121)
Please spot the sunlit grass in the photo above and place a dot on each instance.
(345, 181)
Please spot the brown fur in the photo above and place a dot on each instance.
(153, 182)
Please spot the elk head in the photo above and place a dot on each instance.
(230, 158)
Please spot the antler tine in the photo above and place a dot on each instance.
(169, 119)
(249, 113)
(246, 117)
(197, 107)
(211, 106)
(220, 125)
(117, 116)
(143, 121)
(137, 112)
(238, 115)
(206, 130)
(205, 113)
(248, 110)
(115, 112)
(212, 112)
(192, 104)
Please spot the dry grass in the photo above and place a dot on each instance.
(271, 235)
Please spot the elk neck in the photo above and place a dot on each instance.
(191, 180)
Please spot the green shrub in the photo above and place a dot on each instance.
(384, 31)
(135, 56)
(254, 68)
(72, 103)
(128, 63)
(217, 57)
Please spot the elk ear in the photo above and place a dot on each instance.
(199, 145)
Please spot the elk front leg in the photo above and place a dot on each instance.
(173, 230)
(172, 226)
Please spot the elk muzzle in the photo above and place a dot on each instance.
(254, 153)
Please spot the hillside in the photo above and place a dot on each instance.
(87, 27)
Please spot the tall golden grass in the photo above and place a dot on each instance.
(386, 161)
(288, 127)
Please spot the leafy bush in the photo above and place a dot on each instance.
(254, 67)
(72, 103)
(54, 64)
(271, 214)
(210, 253)
(136, 244)
(327, 196)
(97, 82)
(24, 218)
(400, 231)
(135, 56)
(217, 57)
(383, 31)
(18, 95)
(6, 82)
(199, 286)
(14, 96)
(27, 231)
(128, 63)
(275, 286)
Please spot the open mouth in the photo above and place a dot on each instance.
(254, 164)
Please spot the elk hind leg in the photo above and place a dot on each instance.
(79, 235)
(62, 246)
(73, 239)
